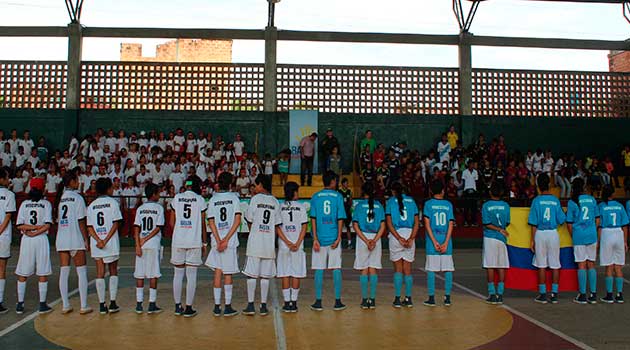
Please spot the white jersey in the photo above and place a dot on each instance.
(293, 217)
(101, 215)
(263, 214)
(188, 207)
(7, 203)
(35, 213)
(223, 208)
(71, 210)
(149, 216)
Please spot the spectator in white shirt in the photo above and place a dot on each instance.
(131, 194)
(20, 157)
(6, 156)
(177, 178)
(143, 177)
(52, 181)
(470, 178)
(33, 159)
(239, 146)
(121, 141)
(179, 140)
(242, 183)
(27, 142)
(191, 144)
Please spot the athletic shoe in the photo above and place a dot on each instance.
(217, 310)
(541, 298)
(608, 299)
(3, 310)
(229, 312)
(19, 308)
(492, 300)
(179, 310)
(190, 312)
(153, 309)
(592, 299)
(317, 305)
(447, 300)
(287, 307)
(263, 309)
(580, 299)
(407, 302)
(294, 307)
(499, 299)
(139, 308)
(339, 306)
(397, 304)
(44, 308)
(619, 298)
(102, 309)
(67, 310)
(429, 302)
(372, 304)
(554, 298)
(364, 304)
(249, 310)
(113, 308)
(87, 310)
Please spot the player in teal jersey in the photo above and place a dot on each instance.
(495, 215)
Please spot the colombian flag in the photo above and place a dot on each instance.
(522, 274)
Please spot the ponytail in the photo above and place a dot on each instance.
(368, 190)
(577, 188)
(290, 188)
(69, 176)
(607, 193)
(398, 189)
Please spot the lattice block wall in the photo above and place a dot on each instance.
(33, 84)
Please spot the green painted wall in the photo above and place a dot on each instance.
(55, 125)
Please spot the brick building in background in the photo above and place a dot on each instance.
(181, 50)
(619, 61)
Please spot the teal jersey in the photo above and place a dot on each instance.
(409, 212)
(495, 213)
(440, 214)
(546, 213)
(327, 209)
(612, 214)
(360, 216)
(582, 216)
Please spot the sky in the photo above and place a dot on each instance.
(494, 17)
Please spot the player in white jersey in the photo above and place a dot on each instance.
(224, 216)
(7, 208)
(34, 220)
(263, 217)
(291, 257)
(103, 220)
(188, 219)
(72, 240)
(147, 232)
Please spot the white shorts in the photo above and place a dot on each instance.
(612, 250)
(437, 263)
(226, 261)
(547, 249)
(583, 253)
(34, 257)
(326, 258)
(291, 264)
(5, 248)
(364, 258)
(186, 256)
(148, 265)
(108, 259)
(259, 267)
(495, 254)
(397, 251)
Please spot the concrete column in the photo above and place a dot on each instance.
(75, 45)
(270, 99)
(465, 74)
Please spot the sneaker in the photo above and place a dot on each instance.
(466, 224)
(541, 298)
(372, 304)
(608, 299)
(317, 305)
(447, 300)
(294, 307)
(397, 304)
(113, 308)
(229, 312)
(139, 308)
(3, 310)
(190, 312)
(249, 310)
(592, 299)
(619, 298)
(554, 298)
(364, 304)
(407, 302)
(492, 300)
(102, 309)
(499, 299)
(153, 309)
(580, 299)
(429, 302)
(339, 305)
(217, 310)
(87, 310)
(263, 309)
(179, 310)
(44, 308)
(67, 310)
(19, 308)
(287, 307)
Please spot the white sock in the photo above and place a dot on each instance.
(21, 291)
(83, 285)
(251, 289)
(294, 294)
(113, 287)
(178, 281)
(64, 273)
(228, 294)
(264, 290)
(286, 293)
(191, 284)
(43, 290)
(100, 289)
(152, 295)
(217, 296)
(139, 294)
(3, 282)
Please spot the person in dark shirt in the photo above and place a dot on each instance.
(368, 174)
(384, 173)
(326, 145)
(346, 193)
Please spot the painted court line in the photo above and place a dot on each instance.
(522, 315)
(32, 316)
(278, 324)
